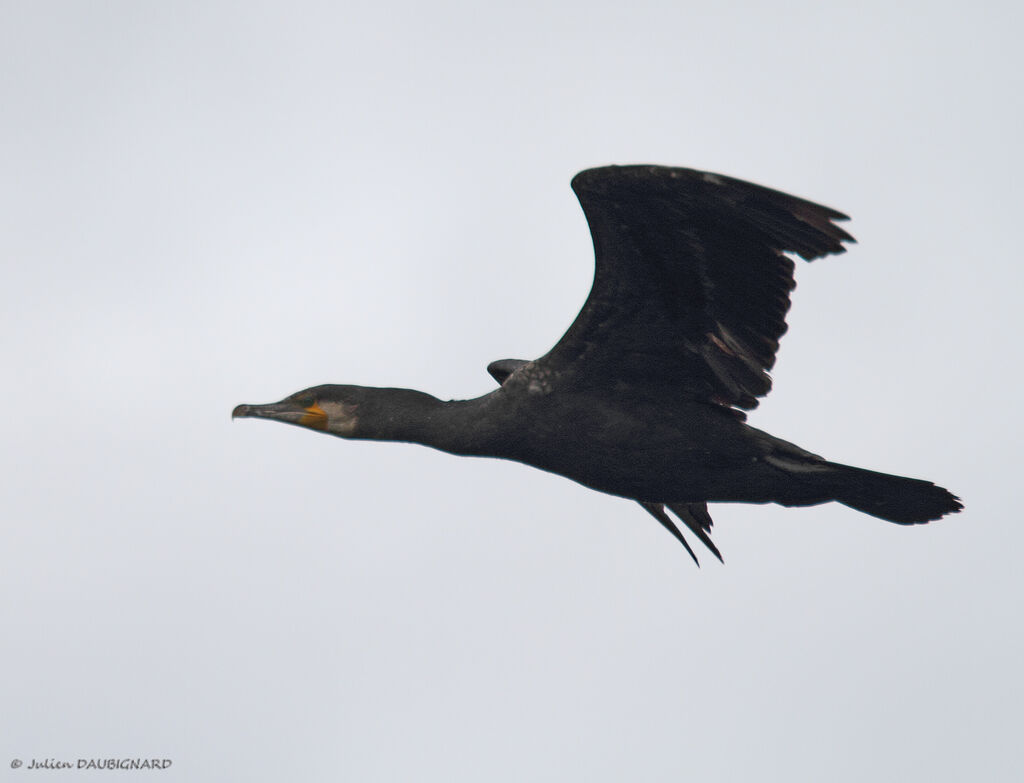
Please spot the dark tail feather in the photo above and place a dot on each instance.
(905, 501)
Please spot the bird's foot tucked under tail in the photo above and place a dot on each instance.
(694, 515)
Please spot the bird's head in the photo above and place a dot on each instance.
(333, 409)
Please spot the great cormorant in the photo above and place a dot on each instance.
(643, 395)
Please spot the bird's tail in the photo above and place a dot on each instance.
(905, 501)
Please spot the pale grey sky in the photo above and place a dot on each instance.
(212, 203)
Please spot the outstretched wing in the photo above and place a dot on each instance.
(692, 283)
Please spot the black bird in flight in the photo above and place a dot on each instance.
(643, 395)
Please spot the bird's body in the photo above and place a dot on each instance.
(674, 451)
(641, 397)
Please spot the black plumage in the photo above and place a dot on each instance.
(644, 395)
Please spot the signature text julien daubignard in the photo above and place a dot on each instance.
(100, 764)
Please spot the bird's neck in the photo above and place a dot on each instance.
(456, 426)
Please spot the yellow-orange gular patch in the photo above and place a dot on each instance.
(314, 418)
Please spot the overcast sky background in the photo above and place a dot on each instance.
(212, 203)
